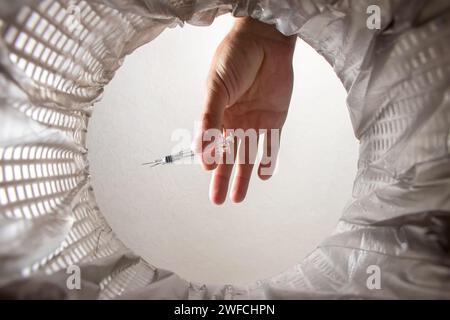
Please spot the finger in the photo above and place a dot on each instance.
(269, 158)
(210, 158)
(248, 150)
(212, 118)
(221, 176)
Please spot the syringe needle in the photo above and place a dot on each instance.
(153, 163)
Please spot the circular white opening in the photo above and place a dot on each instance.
(164, 213)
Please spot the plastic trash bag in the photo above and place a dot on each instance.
(393, 240)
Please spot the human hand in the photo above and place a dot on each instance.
(249, 87)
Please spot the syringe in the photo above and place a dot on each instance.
(187, 153)
(223, 145)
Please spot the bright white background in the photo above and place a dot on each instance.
(164, 213)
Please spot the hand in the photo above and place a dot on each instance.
(249, 87)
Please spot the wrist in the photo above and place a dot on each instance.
(254, 27)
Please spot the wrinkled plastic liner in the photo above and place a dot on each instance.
(57, 56)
